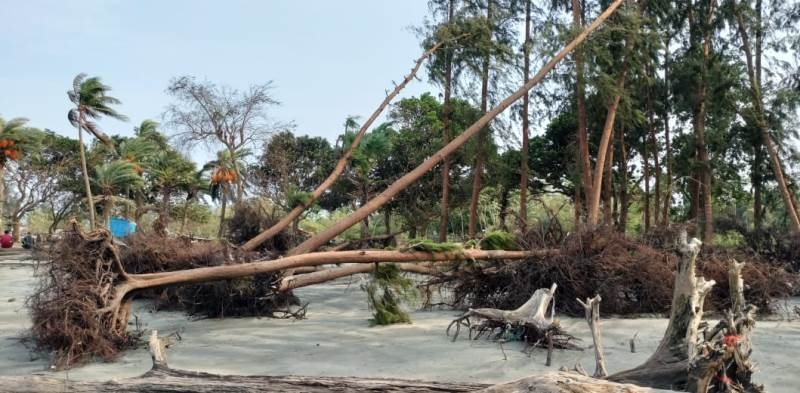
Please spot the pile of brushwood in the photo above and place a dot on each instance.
(631, 277)
(77, 278)
(242, 297)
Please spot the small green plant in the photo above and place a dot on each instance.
(498, 240)
(385, 291)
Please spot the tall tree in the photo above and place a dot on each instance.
(412, 176)
(89, 95)
(526, 66)
(758, 105)
(205, 113)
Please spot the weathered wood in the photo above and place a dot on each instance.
(176, 381)
(667, 367)
(564, 382)
(592, 308)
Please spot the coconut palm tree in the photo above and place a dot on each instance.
(91, 103)
(224, 177)
(170, 172)
(112, 178)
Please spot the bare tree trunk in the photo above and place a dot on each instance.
(340, 165)
(646, 176)
(221, 229)
(523, 183)
(87, 186)
(583, 138)
(2, 193)
(592, 309)
(758, 104)
(483, 136)
(651, 119)
(607, 188)
(446, 121)
(756, 179)
(622, 223)
(407, 179)
(668, 145)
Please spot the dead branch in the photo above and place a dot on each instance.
(592, 307)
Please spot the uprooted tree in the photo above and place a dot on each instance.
(81, 308)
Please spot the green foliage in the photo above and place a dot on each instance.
(499, 240)
(427, 245)
(298, 198)
(387, 289)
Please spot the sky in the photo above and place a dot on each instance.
(326, 59)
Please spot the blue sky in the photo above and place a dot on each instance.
(327, 59)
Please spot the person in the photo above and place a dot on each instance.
(6, 241)
(27, 241)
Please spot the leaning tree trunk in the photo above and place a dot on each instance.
(401, 184)
(758, 104)
(87, 186)
(340, 165)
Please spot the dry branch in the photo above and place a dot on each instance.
(592, 307)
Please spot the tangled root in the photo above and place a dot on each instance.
(76, 283)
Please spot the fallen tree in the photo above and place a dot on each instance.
(162, 378)
(81, 308)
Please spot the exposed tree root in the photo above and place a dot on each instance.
(527, 323)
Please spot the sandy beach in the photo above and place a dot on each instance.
(336, 340)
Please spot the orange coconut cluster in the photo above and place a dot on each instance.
(223, 175)
(8, 148)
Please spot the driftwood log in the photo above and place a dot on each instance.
(162, 378)
(528, 322)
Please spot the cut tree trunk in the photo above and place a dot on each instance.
(401, 184)
(341, 164)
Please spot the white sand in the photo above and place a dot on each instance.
(335, 340)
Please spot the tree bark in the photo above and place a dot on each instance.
(407, 179)
(758, 104)
(646, 176)
(667, 142)
(221, 229)
(523, 181)
(757, 180)
(608, 184)
(483, 135)
(267, 234)
(622, 222)
(446, 121)
(592, 308)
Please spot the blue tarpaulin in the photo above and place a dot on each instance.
(121, 227)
